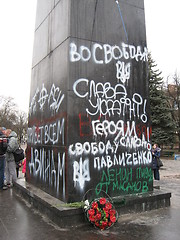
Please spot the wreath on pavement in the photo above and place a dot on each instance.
(100, 212)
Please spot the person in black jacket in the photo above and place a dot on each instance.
(3, 148)
(156, 151)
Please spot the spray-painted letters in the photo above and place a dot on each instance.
(52, 133)
(54, 99)
(44, 167)
(128, 146)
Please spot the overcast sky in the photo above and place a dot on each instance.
(163, 35)
(17, 21)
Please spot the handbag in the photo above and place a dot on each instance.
(159, 162)
(18, 154)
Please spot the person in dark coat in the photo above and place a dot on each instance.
(156, 152)
(3, 148)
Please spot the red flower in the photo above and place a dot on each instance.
(102, 201)
(94, 205)
(101, 227)
(91, 212)
(112, 212)
(109, 224)
(108, 206)
(92, 218)
(97, 224)
(104, 224)
(98, 216)
(113, 218)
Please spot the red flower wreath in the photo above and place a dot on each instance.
(101, 213)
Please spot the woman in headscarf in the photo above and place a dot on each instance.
(155, 155)
(10, 161)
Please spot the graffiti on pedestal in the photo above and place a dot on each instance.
(54, 98)
(47, 162)
(124, 158)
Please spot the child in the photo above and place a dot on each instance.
(24, 167)
(18, 165)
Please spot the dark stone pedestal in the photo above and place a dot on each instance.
(62, 215)
(89, 120)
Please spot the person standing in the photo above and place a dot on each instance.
(156, 152)
(24, 167)
(18, 165)
(10, 161)
(3, 147)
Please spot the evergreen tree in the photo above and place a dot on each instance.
(163, 128)
(173, 91)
